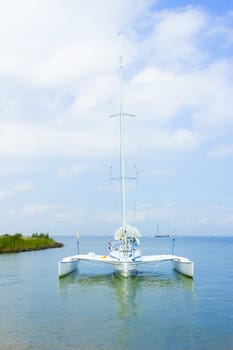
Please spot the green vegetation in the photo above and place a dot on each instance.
(19, 243)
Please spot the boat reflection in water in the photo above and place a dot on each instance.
(129, 293)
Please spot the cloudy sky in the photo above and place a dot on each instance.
(59, 82)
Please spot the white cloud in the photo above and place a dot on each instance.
(203, 96)
(78, 215)
(15, 190)
(59, 82)
(25, 140)
(35, 209)
(213, 98)
(174, 36)
(202, 221)
(184, 139)
(164, 140)
(185, 219)
(50, 42)
(156, 94)
(73, 170)
(66, 55)
(8, 169)
(220, 151)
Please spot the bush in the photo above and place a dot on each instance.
(18, 243)
(18, 235)
(41, 235)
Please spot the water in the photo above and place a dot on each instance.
(93, 309)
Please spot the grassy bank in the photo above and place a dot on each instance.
(19, 243)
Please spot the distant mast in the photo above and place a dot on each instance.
(158, 234)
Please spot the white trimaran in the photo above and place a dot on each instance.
(124, 255)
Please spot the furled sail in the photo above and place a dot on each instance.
(127, 232)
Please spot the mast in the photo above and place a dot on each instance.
(122, 115)
(122, 148)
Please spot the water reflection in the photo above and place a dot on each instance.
(127, 291)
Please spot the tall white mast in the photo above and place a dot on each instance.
(122, 115)
(122, 148)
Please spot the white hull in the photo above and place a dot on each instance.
(184, 267)
(126, 268)
(66, 266)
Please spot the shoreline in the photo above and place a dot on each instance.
(18, 243)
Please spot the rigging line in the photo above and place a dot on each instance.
(136, 190)
(113, 191)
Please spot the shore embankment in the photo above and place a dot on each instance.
(18, 243)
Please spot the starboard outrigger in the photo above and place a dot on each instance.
(124, 254)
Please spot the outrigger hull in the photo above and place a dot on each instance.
(67, 266)
(126, 268)
(186, 268)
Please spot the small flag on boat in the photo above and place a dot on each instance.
(78, 233)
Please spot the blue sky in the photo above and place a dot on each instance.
(59, 82)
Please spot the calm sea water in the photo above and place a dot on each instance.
(92, 309)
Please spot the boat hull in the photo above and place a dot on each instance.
(125, 269)
(65, 267)
(186, 268)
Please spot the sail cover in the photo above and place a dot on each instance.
(127, 232)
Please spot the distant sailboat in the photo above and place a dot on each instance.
(158, 234)
(124, 254)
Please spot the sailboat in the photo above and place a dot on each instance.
(124, 255)
(158, 235)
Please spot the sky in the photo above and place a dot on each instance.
(59, 82)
